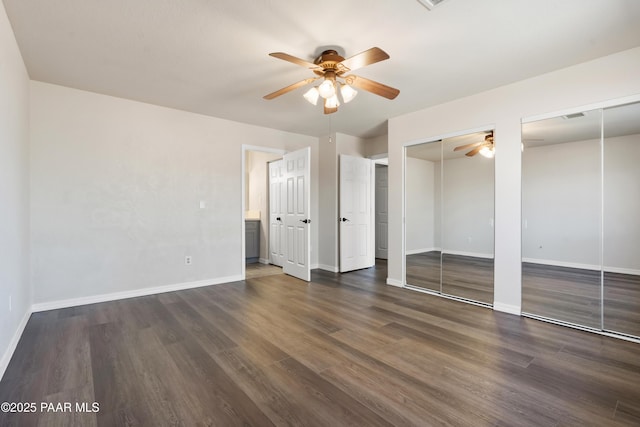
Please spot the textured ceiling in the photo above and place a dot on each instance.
(211, 57)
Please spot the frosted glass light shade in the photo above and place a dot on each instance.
(312, 95)
(487, 152)
(327, 89)
(332, 102)
(348, 93)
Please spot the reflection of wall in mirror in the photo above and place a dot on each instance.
(468, 202)
(420, 206)
(561, 206)
(467, 223)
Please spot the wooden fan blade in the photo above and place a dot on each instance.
(330, 110)
(362, 59)
(474, 151)
(464, 147)
(290, 88)
(372, 86)
(293, 59)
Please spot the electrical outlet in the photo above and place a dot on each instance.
(187, 260)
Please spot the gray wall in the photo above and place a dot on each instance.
(466, 226)
(561, 203)
(116, 187)
(15, 292)
(421, 205)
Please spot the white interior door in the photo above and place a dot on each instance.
(382, 212)
(276, 212)
(297, 221)
(356, 218)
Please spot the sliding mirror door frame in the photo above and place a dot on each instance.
(425, 257)
(611, 301)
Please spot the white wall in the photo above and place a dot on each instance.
(606, 78)
(15, 291)
(468, 199)
(467, 206)
(622, 203)
(376, 146)
(421, 205)
(561, 204)
(116, 187)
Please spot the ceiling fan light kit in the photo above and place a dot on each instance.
(488, 152)
(332, 69)
(312, 95)
(486, 148)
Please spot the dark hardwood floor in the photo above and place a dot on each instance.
(462, 276)
(566, 294)
(573, 295)
(260, 270)
(342, 350)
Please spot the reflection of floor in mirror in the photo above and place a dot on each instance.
(462, 276)
(573, 295)
(260, 270)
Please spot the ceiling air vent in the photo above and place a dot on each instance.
(430, 4)
(573, 116)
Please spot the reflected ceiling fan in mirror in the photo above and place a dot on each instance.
(485, 148)
(332, 69)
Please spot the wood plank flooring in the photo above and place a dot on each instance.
(566, 294)
(462, 276)
(342, 350)
(573, 295)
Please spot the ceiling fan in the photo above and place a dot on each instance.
(485, 148)
(332, 69)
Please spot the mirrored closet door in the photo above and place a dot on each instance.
(422, 215)
(621, 224)
(561, 218)
(580, 219)
(449, 207)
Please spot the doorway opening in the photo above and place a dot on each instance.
(256, 214)
(381, 206)
(255, 210)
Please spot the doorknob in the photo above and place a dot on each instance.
(306, 221)
(278, 219)
(344, 219)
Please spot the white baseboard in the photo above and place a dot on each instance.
(420, 251)
(592, 267)
(53, 305)
(630, 271)
(450, 252)
(556, 263)
(394, 282)
(263, 261)
(507, 308)
(469, 254)
(331, 268)
(6, 357)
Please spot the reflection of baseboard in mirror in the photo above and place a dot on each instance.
(594, 267)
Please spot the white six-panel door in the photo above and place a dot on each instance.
(356, 214)
(297, 221)
(276, 212)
